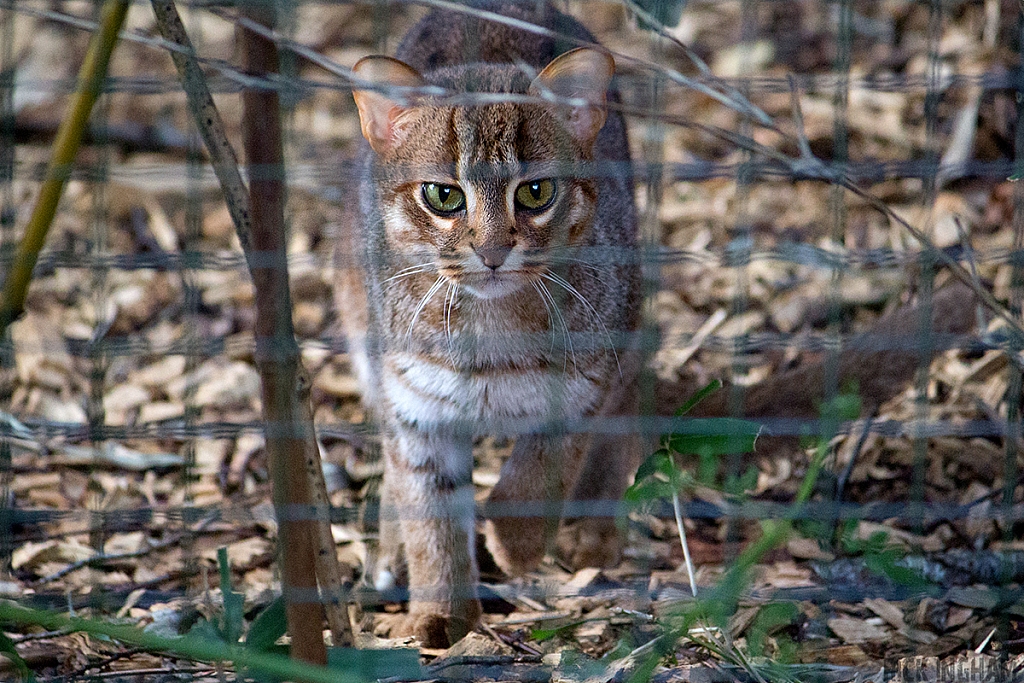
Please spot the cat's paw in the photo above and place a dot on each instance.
(431, 630)
(589, 543)
(517, 544)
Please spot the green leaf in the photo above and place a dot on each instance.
(400, 663)
(623, 647)
(741, 485)
(541, 634)
(770, 618)
(715, 436)
(207, 631)
(712, 386)
(844, 406)
(885, 564)
(234, 603)
(649, 491)
(8, 650)
(654, 463)
(658, 477)
(268, 626)
(224, 567)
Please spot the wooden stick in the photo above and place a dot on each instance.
(277, 353)
(225, 165)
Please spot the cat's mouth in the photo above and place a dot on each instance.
(493, 284)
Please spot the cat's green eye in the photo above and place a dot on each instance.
(535, 194)
(443, 199)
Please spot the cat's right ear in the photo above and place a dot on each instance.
(379, 112)
(583, 73)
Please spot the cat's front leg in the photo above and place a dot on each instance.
(525, 505)
(589, 536)
(428, 477)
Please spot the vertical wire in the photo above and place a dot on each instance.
(195, 166)
(738, 252)
(837, 205)
(380, 26)
(7, 129)
(653, 157)
(926, 273)
(7, 239)
(96, 179)
(651, 235)
(378, 513)
(1015, 383)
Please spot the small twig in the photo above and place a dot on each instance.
(981, 647)
(700, 336)
(634, 614)
(208, 121)
(811, 167)
(103, 663)
(677, 509)
(803, 144)
(735, 100)
(474, 660)
(42, 635)
(844, 476)
(328, 570)
(162, 672)
(511, 642)
(972, 261)
(100, 558)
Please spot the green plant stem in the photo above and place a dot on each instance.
(65, 149)
(775, 532)
(187, 647)
(681, 530)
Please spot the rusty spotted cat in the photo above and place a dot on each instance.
(489, 284)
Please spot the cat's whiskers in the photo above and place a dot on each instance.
(554, 314)
(551, 316)
(567, 286)
(578, 262)
(449, 301)
(423, 302)
(406, 272)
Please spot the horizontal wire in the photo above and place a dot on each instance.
(164, 519)
(231, 78)
(43, 430)
(740, 344)
(851, 261)
(326, 178)
(809, 84)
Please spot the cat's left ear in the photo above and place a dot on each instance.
(583, 73)
(379, 111)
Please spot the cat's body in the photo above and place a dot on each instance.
(488, 283)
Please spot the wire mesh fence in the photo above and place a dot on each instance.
(827, 221)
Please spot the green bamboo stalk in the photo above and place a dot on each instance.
(65, 149)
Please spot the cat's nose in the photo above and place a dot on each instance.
(493, 255)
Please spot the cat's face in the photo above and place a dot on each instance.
(486, 195)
